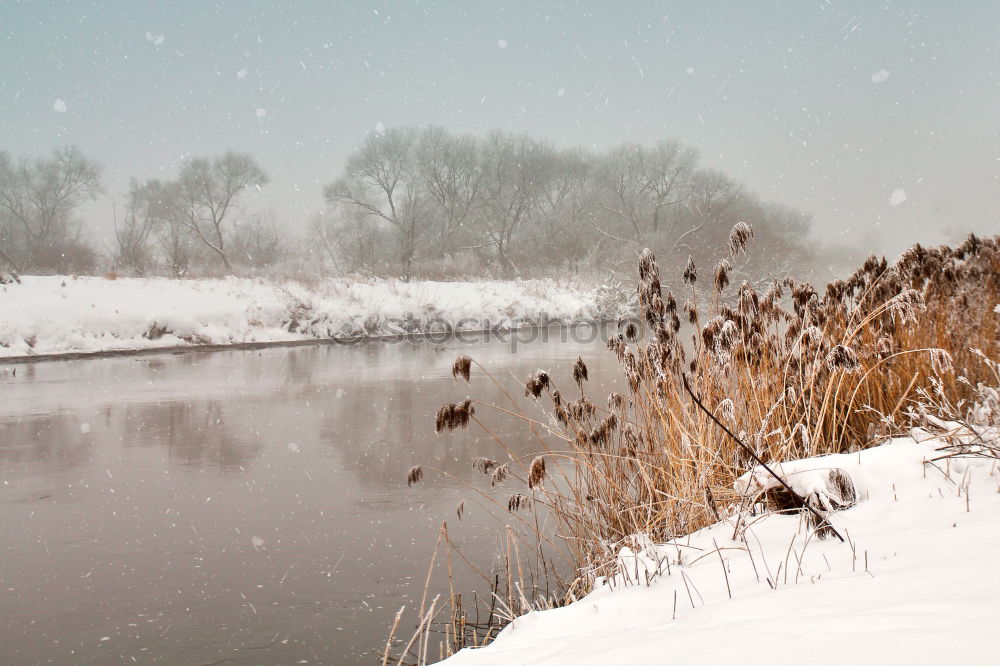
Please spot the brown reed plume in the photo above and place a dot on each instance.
(793, 371)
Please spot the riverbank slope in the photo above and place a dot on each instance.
(46, 315)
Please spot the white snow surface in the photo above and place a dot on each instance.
(62, 314)
(915, 584)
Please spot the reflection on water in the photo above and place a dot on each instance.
(237, 507)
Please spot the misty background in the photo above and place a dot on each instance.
(879, 122)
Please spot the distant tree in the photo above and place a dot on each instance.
(665, 172)
(450, 172)
(512, 202)
(620, 174)
(133, 231)
(567, 208)
(209, 191)
(348, 238)
(514, 181)
(381, 181)
(38, 199)
(258, 242)
(711, 195)
(178, 247)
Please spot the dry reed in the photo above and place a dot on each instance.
(794, 370)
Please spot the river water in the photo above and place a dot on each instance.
(245, 507)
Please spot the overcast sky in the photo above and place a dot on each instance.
(881, 119)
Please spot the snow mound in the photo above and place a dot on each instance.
(914, 583)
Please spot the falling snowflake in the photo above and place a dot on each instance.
(502, 43)
(155, 40)
(561, 93)
(689, 70)
(293, 447)
(379, 127)
(59, 106)
(242, 74)
(85, 428)
(261, 114)
(880, 76)
(897, 197)
(258, 542)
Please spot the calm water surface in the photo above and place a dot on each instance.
(245, 507)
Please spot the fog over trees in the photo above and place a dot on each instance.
(417, 201)
(410, 202)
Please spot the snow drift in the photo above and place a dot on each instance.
(913, 583)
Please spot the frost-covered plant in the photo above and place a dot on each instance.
(797, 372)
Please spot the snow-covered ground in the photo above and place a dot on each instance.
(916, 582)
(57, 314)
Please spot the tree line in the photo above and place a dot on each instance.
(193, 221)
(410, 201)
(413, 198)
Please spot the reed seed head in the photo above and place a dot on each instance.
(483, 464)
(453, 416)
(722, 275)
(738, 237)
(462, 367)
(647, 266)
(499, 475)
(580, 372)
(536, 473)
(631, 331)
(842, 357)
(690, 271)
(415, 475)
(536, 383)
(517, 502)
(727, 410)
(692, 312)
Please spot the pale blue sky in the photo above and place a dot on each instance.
(786, 96)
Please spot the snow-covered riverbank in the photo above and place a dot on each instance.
(914, 583)
(58, 314)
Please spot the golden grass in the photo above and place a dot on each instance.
(796, 372)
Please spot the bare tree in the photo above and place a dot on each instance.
(257, 242)
(514, 179)
(8, 233)
(347, 237)
(38, 198)
(134, 230)
(381, 181)
(621, 175)
(165, 205)
(666, 172)
(450, 172)
(712, 193)
(210, 190)
(567, 206)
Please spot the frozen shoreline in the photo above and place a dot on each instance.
(59, 315)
